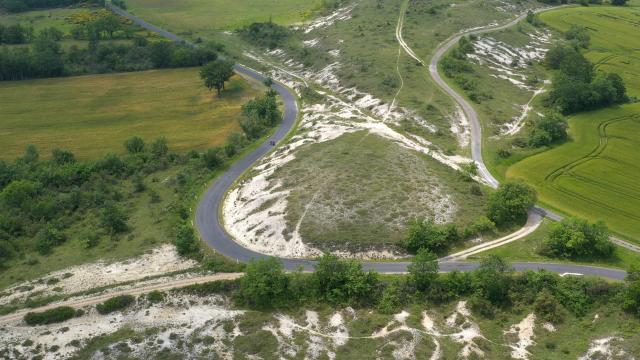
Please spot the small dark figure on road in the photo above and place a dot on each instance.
(272, 143)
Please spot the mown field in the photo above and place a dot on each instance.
(92, 115)
(595, 175)
(199, 15)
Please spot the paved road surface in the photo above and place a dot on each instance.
(208, 211)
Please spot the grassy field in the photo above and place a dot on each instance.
(527, 250)
(92, 115)
(359, 191)
(595, 174)
(205, 15)
(40, 19)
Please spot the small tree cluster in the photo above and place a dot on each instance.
(574, 238)
(549, 129)
(260, 114)
(576, 87)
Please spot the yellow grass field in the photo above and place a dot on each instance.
(93, 115)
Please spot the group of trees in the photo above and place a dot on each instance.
(549, 129)
(575, 238)
(260, 114)
(265, 34)
(335, 281)
(508, 205)
(577, 87)
(46, 58)
(15, 34)
(493, 286)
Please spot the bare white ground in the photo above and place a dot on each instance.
(508, 63)
(468, 331)
(341, 14)
(177, 319)
(254, 212)
(460, 127)
(525, 335)
(323, 338)
(311, 43)
(549, 327)
(606, 348)
(162, 260)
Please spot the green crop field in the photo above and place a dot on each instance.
(93, 115)
(199, 15)
(595, 175)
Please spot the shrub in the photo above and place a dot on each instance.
(340, 281)
(547, 307)
(424, 234)
(115, 304)
(155, 296)
(134, 145)
(212, 158)
(264, 284)
(51, 316)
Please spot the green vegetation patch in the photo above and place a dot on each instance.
(115, 304)
(195, 15)
(360, 190)
(51, 316)
(93, 115)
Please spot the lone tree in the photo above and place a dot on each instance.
(511, 202)
(216, 73)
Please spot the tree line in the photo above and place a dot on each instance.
(15, 6)
(46, 58)
(494, 286)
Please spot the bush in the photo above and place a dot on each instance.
(51, 316)
(212, 287)
(510, 203)
(424, 234)
(267, 34)
(344, 281)
(264, 284)
(547, 307)
(155, 296)
(212, 158)
(391, 300)
(186, 240)
(115, 304)
(134, 145)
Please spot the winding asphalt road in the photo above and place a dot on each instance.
(208, 216)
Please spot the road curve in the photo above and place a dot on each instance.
(208, 217)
